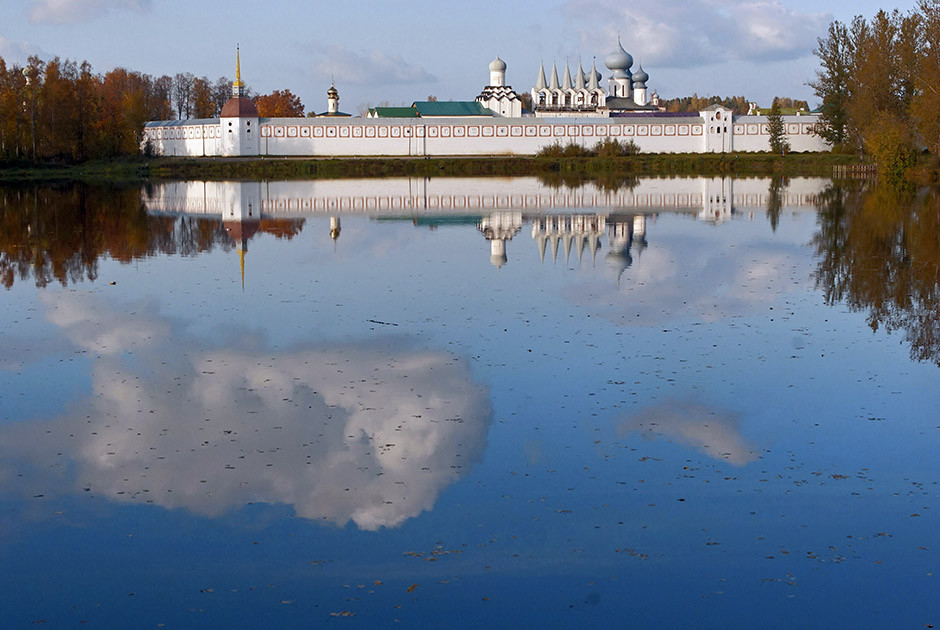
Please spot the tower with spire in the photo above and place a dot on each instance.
(239, 120)
(238, 86)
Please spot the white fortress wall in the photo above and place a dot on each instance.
(184, 137)
(476, 136)
(752, 133)
(397, 196)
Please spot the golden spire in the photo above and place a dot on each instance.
(238, 70)
(241, 257)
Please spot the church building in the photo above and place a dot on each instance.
(499, 97)
(583, 96)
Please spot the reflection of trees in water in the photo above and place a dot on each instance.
(606, 182)
(879, 250)
(59, 232)
(778, 185)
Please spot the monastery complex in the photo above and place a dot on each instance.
(575, 108)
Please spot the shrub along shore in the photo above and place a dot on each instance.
(586, 167)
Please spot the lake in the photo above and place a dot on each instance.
(689, 403)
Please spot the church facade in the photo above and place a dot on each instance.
(575, 110)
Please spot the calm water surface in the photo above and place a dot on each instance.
(450, 403)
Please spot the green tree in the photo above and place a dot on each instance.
(778, 133)
(832, 83)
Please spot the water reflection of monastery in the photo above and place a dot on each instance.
(568, 224)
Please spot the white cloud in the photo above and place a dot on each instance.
(17, 52)
(94, 325)
(698, 32)
(714, 432)
(71, 11)
(359, 433)
(372, 67)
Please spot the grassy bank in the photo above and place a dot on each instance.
(138, 169)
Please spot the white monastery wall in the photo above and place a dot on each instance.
(319, 137)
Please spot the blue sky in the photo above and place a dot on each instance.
(400, 52)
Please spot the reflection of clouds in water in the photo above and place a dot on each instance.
(711, 431)
(344, 433)
(94, 325)
(711, 283)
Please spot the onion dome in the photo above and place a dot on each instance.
(332, 92)
(497, 65)
(620, 59)
(640, 77)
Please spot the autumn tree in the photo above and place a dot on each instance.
(13, 134)
(279, 104)
(58, 110)
(160, 98)
(203, 103)
(123, 112)
(925, 103)
(87, 103)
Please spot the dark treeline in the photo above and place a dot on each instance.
(62, 110)
(58, 234)
(695, 103)
(878, 82)
(878, 252)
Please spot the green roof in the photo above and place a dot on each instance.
(451, 108)
(394, 112)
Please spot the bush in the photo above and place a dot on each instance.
(554, 150)
(608, 147)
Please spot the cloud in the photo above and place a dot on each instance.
(714, 432)
(71, 11)
(698, 32)
(18, 52)
(369, 434)
(366, 68)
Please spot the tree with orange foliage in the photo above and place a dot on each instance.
(279, 104)
(202, 99)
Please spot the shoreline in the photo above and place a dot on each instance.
(139, 169)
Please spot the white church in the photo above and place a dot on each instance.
(573, 110)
